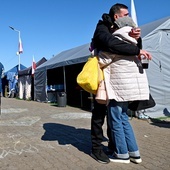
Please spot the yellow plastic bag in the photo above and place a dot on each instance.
(90, 76)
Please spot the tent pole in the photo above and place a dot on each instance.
(64, 79)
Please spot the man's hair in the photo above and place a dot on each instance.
(116, 9)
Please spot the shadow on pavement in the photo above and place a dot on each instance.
(160, 123)
(64, 134)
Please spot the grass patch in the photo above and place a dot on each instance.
(163, 118)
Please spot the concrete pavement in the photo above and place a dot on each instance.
(41, 136)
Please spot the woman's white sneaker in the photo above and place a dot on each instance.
(136, 160)
(119, 160)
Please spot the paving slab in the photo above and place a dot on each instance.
(41, 136)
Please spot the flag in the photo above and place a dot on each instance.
(20, 48)
(133, 13)
(33, 66)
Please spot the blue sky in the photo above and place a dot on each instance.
(49, 27)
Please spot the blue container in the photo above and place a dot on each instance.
(59, 87)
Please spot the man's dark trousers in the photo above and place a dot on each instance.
(99, 113)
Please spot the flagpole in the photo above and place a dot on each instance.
(18, 52)
(133, 13)
(19, 37)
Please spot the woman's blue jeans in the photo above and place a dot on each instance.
(122, 132)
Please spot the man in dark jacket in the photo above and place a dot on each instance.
(105, 41)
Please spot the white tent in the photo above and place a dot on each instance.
(26, 81)
(156, 40)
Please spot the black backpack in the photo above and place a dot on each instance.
(142, 104)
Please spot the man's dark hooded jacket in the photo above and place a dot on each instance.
(105, 41)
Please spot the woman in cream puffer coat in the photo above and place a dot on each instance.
(125, 79)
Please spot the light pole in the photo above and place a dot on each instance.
(20, 49)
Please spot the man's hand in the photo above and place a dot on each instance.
(144, 54)
(135, 33)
